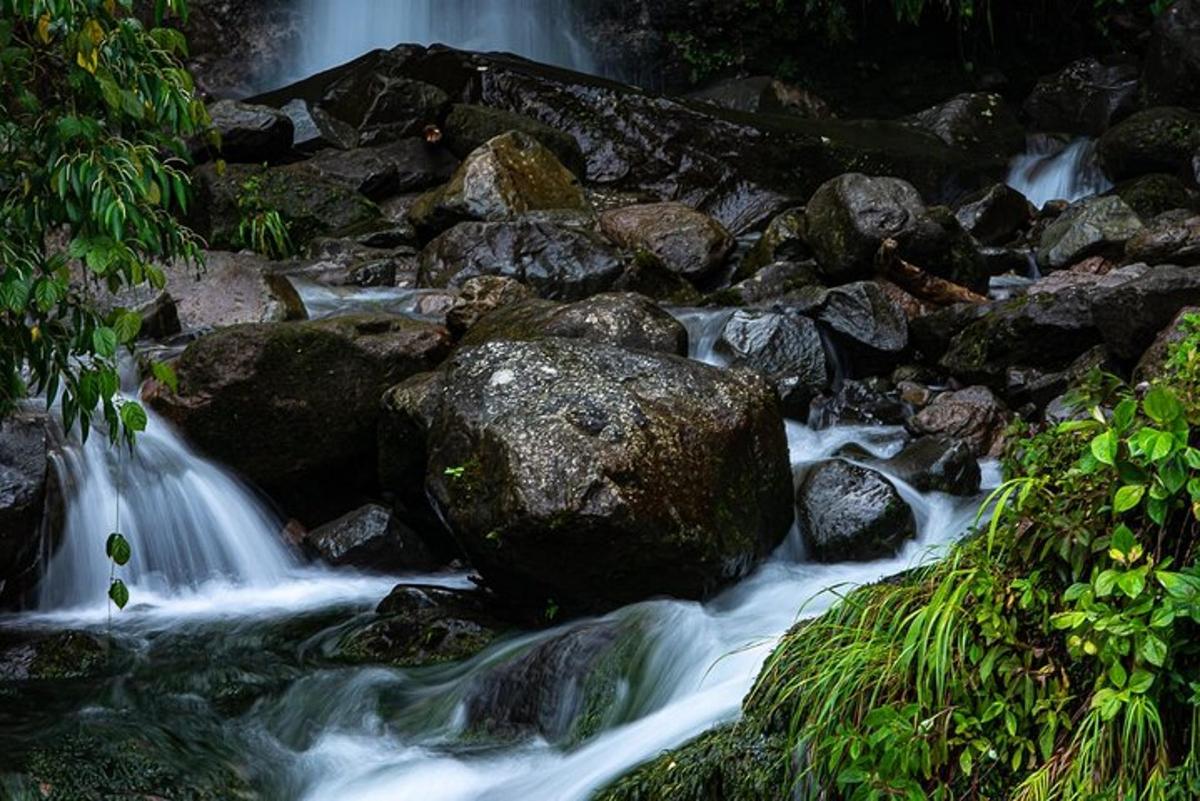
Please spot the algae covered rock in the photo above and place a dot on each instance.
(1163, 139)
(1094, 226)
(685, 241)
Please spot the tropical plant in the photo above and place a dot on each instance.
(260, 227)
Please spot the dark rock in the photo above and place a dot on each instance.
(49, 657)
(995, 216)
(645, 274)
(1084, 98)
(973, 415)
(310, 204)
(1155, 194)
(507, 176)
(1034, 387)
(978, 123)
(1131, 315)
(294, 406)
(938, 244)
(782, 241)
(685, 241)
(858, 403)
(315, 129)
(848, 218)
(619, 318)
(410, 165)
(250, 134)
(595, 476)
(784, 348)
(867, 322)
(381, 103)
(1171, 240)
(851, 513)
(1172, 67)
(370, 538)
(773, 282)
(556, 262)
(763, 94)
(1164, 139)
(423, 625)
(1094, 226)
(467, 127)
(933, 333)
(935, 464)
(480, 297)
(27, 481)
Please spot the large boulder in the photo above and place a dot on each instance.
(479, 297)
(27, 480)
(851, 513)
(684, 240)
(381, 103)
(1157, 193)
(1163, 139)
(1172, 239)
(618, 318)
(849, 217)
(409, 165)
(979, 123)
(867, 322)
(973, 415)
(784, 240)
(996, 215)
(505, 177)
(294, 406)
(1131, 315)
(785, 348)
(233, 288)
(467, 127)
(1172, 69)
(249, 133)
(310, 204)
(556, 261)
(371, 538)
(595, 476)
(1093, 226)
(935, 464)
(1084, 98)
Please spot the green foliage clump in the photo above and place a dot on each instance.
(261, 228)
(94, 106)
(1052, 656)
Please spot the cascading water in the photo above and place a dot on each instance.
(542, 30)
(1050, 170)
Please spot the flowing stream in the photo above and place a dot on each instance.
(1053, 170)
(542, 30)
(224, 615)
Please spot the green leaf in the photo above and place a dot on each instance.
(1105, 583)
(165, 374)
(1140, 681)
(117, 549)
(133, 416)
(1162, 406)
(1153, 650)
(1128, 497)
(1123, 540)
(1104, 447)
(119, 593)
(127, 326)
(104, 342)
(1164, 444)
(1117, 675)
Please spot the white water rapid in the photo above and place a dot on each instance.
(542, 30)
(1053, 170)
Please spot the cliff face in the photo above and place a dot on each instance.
(239, 47)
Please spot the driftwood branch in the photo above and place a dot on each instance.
(919, 283)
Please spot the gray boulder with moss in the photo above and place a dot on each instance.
(685, 241)
(1163, 139)
(852, 513)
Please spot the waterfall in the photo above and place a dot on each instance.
(188, 521)
(1050, 170)
(541, 30)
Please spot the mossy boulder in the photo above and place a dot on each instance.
(1083, 98)
(849, 217)
(784, 240)
(1163, 139)
(617, 318)
(28, 485)
(409, 165)
(40, 656)
(505, 177)
(294, 406)
(1095, 226)
(979, 123)
(310, 204)
(1157, 193)
(595, 476)
(469, 126)
(686, 241)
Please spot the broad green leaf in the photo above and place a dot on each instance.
(1162, 406)
(1128, 497)
(165, 374)
(1124, 413)
(119, 593)
(1153, 650)
(1140, 681)
(1104, 447)
(104, 341)
(117, 549)
(127, 326)
(133, 416)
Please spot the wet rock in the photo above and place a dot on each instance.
(849, 217)
(685, 241)
(26, 482)
(557, 262)
(40, 656)
(370, 538)
(596, 476)
(310, 204)
(1155, 194)
(618, 318)
(1153, 364)
(783, 241)
(775, 281)
(410, 165)
(973, 415)
(507, 176)
(563, 690)
(867, 322)
(1170, 240)
(995, 216)
(645, 274)
(1027, 387)
(1044, 330)
(1084, 98)
(467, 127)
(316, 130)
(1131, 315)
(1172, 68)
(979, 123)
(938, 244)
(234, 288)
(933, 333)
(347, 262)
(868, 402)
(294, 406)
(935, 464)
(851, 513)
(421, 625)
(785, 348)
(763, 94)
(249, 134)
(1163, 139)
(480, 297)
(381, 103)
(1096, 225)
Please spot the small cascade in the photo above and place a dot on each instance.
(188, 521)
(541, 30)
(1050, 170)
(704, 327)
